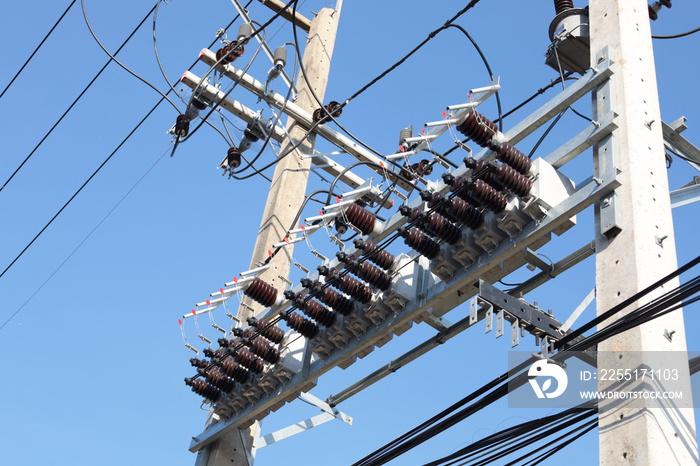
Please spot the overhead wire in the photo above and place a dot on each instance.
(70, 107)
(37, 48)
(676, 36)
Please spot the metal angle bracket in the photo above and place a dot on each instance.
(329, 413)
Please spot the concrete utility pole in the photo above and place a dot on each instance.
(635, 243)
(287, 192)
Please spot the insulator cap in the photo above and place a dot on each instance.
(280, 57)
(245, 31)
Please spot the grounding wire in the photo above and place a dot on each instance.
(70, 107)
(37, 49)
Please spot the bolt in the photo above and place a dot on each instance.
(660, 240)
(649, 123)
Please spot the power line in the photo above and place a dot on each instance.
(37, 48)
(70, 107)
(676, 36)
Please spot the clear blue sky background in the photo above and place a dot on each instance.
(93, 362)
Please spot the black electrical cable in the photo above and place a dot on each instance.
(113, 58)
(70, 107)
(157, 53)
(103, 163)
(546, 133)
(469, 6)
(676, 36)
(488, 68)
(37, 49)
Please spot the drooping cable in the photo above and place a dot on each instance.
(37, 48)
(676, 36)
(70, 107)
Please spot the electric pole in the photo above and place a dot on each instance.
(635, 242)
(287, 192)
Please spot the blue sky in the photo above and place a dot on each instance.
(94, 361)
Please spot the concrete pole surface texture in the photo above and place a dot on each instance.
(639, 252)
(287, 192)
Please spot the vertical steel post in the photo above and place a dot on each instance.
(635, 243)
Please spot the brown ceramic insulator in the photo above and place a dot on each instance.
(421, 243)
(356, 289)
(249, 360)
(229, 52)
(321, 115)
(321, 314)
(482, 170)
(362, 219)
(518, 184)
(302, 325)
(337, 301)
(217, 378)
(513, 157)
(488, 197)
(203, 389)
(265, 351)
(563, 5)
(373, 275)
(267, 330)
(375, 254)
(439, 226)
(236, 371)
(410, 214)
(262, 292)
(219, 353)
(478, 128)
(465, 213)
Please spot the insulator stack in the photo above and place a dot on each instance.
(439, 226)
(233, 369)
(261, 292)
(563, 5)
(233, 157)
(249, 360)
(438, 203)
(458, 186)
(239, 332)
(412, 215)
(321, 115)
(465, 213)
(362, 219)
(203, 389)
(366, 271)
(418, 241)
(518, 184)
(220, 353)
(485, 195)
(301, 324)
(182, 126)
(218, 379)
(263, 350)
(321, 314)
(267, 330)
(229, 52)
(356, 289)
(199, 363)
(329, 296)
(511, 156)
(483, 171)
(375, 254)
(422, 168)
(478, 128)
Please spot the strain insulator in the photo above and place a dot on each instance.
(563, 5)
(511, 156)
(301, 324)
(356, 289)
(418, 241)
(262, 292)
(229, 52)
(249, 360)
(375, 254)
(328, 296)
(485, 195)
(361, 218)
(366, 271)
(321, 115)
(233, 369)
(203, 389)
(218, 379)
(182, 126)
(264, 350)
(478, 128)
(267, 330)
(439, 226)
(518, 184)
(483, 171)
